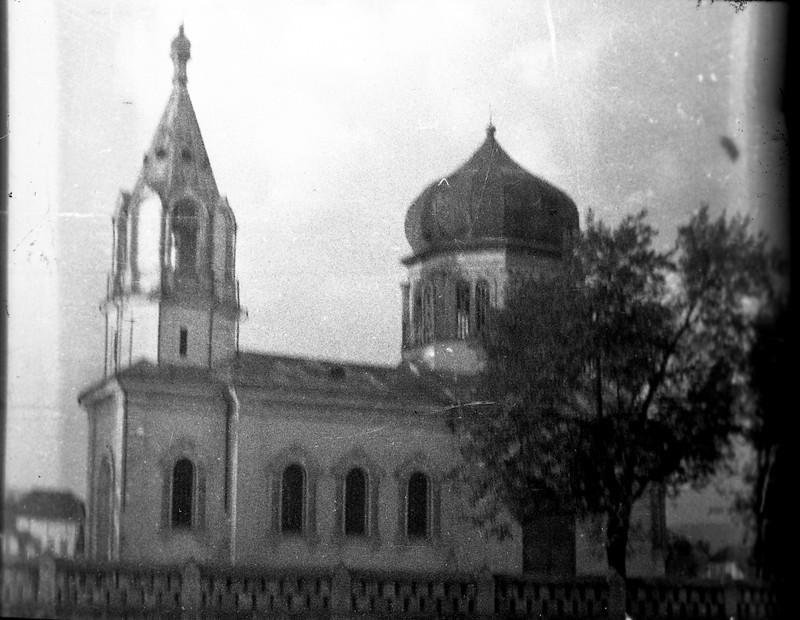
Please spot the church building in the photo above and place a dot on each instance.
(198, 450)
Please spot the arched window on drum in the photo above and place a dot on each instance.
(462, 310)
(428, 312)
(481, 305)
(416, 314)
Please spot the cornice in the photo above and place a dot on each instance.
(99, 391)
(332, 409)
(491, 243)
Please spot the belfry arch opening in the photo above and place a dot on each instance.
(184, 231)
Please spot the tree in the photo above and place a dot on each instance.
(685, 558)
(517, 441)
(621, 372)
(767, 429)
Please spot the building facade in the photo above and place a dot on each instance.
(199, 450)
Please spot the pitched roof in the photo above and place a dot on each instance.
(405, 384)
(48, 504)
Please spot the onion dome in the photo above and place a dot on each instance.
(490, 200)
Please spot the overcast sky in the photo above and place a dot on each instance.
(323, 121)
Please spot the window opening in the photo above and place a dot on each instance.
(183, 344)
(292, 494)
(355, 502)
(481, 305)
(417, 315)
(417, 517)
(182, 492)
(462, 310)
(184, 238)
(427, 313)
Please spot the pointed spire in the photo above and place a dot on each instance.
(181, 52)
(177, 156)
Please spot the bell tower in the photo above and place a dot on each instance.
(172, 294)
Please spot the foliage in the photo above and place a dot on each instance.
(622, 371)
(685, 558)
(767, 429)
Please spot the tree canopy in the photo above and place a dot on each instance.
(768, 502)
(620, 372)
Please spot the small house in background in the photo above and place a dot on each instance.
(20, 544)
(728, 563)
(44, 520)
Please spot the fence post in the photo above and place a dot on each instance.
(731, 593)
(485, 595)
(616, 596)
(340, 591)
(46, 592)
(190, 588)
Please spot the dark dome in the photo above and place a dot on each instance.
(491, 198)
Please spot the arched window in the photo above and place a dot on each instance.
(416, 314)
(145, 242)
(417, 506)
(427, 312)
(462, 310)
(481, 305)
(184, 238)
(103, 511)
(292, 496)
(355, 502)
(182, 493)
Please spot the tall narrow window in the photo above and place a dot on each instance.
(182, 493)
(462, 310)
(355, 502)
(183, 343)
(145, 236)
(184, 238)
(292, 496)
(481, 305)
(417, 509)
(416, 316)
(427, 313)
